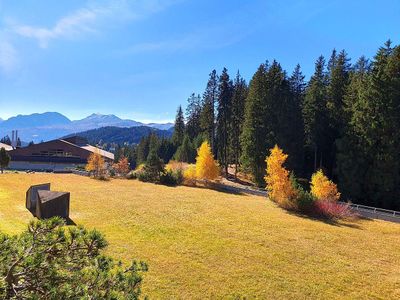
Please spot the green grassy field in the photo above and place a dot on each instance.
(201, 243)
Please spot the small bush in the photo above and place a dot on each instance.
(103, 177)
(131, 175)
(305, 201)
(322, 188)
(333, 210)
(168, 178)
(146, 176)
(189, 176)
(135, 174)
(174, 165)
(178, 176)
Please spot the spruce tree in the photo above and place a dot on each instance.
(270, 111)
(4, 159)
(239, 96)
(6, 140)
(179, 128)
(224, 109)
(297, 89)
(142, 150)
(166, 149)
(193, 114)
(207, 119)
(374, 124)
(186, 152)
(351, 160)
(339, 68)
(315, 118)
(253, 138)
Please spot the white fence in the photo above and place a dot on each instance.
(377, 213)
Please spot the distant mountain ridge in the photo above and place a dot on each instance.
(120, 135)
(50, 125)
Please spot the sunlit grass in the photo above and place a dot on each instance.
(201, 243)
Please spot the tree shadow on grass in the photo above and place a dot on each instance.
(218, 188)
(351, 223)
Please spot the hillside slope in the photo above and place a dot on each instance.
(119, 135)
(202, 244)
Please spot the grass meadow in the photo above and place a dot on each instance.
(201, 243)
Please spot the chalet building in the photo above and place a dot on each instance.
(56, 155)
(6, 147)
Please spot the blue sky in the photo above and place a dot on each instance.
(141, 59)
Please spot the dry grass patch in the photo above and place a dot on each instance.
(201, 243)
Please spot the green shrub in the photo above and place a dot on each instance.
(305, 201)
(146, 176)
(52, 261)
(168, 178)
(171, 177)
(179, 176)
(132, 175)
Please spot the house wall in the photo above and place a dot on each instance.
(56, 155)
(53, 149)
(42, 166)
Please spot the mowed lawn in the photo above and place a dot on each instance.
(201, 243)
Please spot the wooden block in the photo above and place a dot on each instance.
(32, 196)
(51, 204)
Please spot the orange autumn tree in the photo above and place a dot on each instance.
(206, 166)
(96, 165)
(279, 186)
(322, 188)
(122, 166)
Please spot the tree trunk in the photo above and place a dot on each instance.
(315, 159)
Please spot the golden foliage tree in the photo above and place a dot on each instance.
(279, 186)
(206, 166)
(189, 175)
(96, 165)
(322, 188)
(122, 166)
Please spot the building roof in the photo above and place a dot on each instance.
(6, 147)
(102, 152)
(58, 150)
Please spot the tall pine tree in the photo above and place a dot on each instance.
(239, 96)
(179, 128)
(193, 114)
(339, 68)
(253, 138)
(224, 113)
(315, 118)
(374, 125)
(207, 119)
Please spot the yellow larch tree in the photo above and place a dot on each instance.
(323, 188)
(279, 186)
(96, 164)
(206, 166)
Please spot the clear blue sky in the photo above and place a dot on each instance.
(141, 59)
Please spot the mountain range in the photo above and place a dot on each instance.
(50, 125)
(121, 135)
